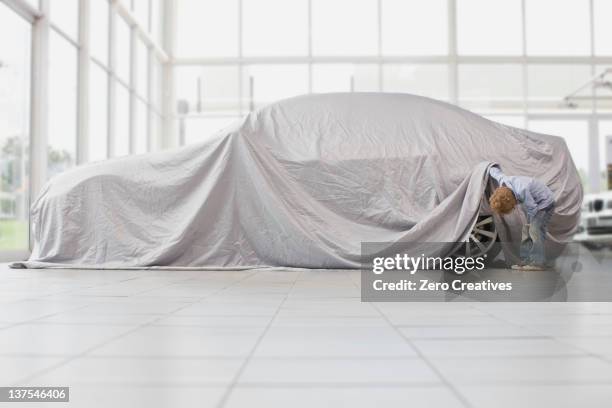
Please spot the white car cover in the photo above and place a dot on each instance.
(300, 183)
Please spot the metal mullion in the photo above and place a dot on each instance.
(309, 46)
(150, 17)
(411, 59)
(39, 97)
(453, 74)
(594, 175)
(24, 9)
(133, 22)
(39, 101)
(149, 102)
(83, 134)
(100, 64)
(524, 66)
(75, 43)
(168, 95)
(132, 90)
(240, 58)
(111, 91)
(379, 45)
(121, 81)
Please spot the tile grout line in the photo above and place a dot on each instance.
(123, 334)
(445, 381)
(225, 397)
(463, 400)
(553, 338)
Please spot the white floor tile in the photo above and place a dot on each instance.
(130, 306)
(596, 345)
(338, 371)
(228, 309)
(167, 341)
(81, 317)
(333, 342)
(214, 321)
(355, 397)
(343, 308)
(494, 347)
(14, 369)
(55, 339)
(552, 396)
(34, 309)
(128, 396)
(327, 321)
(453, 332)
(491, 370)
(142, 371)
(179, 338)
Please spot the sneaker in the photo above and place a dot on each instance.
(533, 268)
(517, 267)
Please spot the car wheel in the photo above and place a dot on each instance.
(482, 240)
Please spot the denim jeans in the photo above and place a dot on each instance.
(534, 237)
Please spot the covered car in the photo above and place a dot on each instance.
(300, 183)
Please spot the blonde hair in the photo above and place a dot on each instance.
(502, 200)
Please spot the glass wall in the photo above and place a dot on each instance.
(124, 95)
(15, 40)
(121, 115)
(97, 93)
(511, 60)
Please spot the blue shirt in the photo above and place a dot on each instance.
(531, 193)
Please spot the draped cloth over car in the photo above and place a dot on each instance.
(300, 183)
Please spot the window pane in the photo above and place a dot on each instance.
(99, 30)
(156, 84)
(142, 63)
(414, 27)
(98, 113)
(338, 77)
(156, 19)
(603, 93)
(344, 27)
(262, 34)
(207, 28)
(274, 82)
(200, 129)
(15, 40)
(156, 142)
(558, 27)
(605, 151)
(603, 29)
(427, 80)
(576, 135)
(122, 53)
(141, 11)
(62, 105)
(548, 84)
(65, 15)
(489, 27)
(122, 121)
(491, 86)
(141, 128)
(209, 89)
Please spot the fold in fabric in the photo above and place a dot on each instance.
(301, 183)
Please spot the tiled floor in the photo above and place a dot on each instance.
(291, 339)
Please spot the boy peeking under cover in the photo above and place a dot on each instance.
(538, 204)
